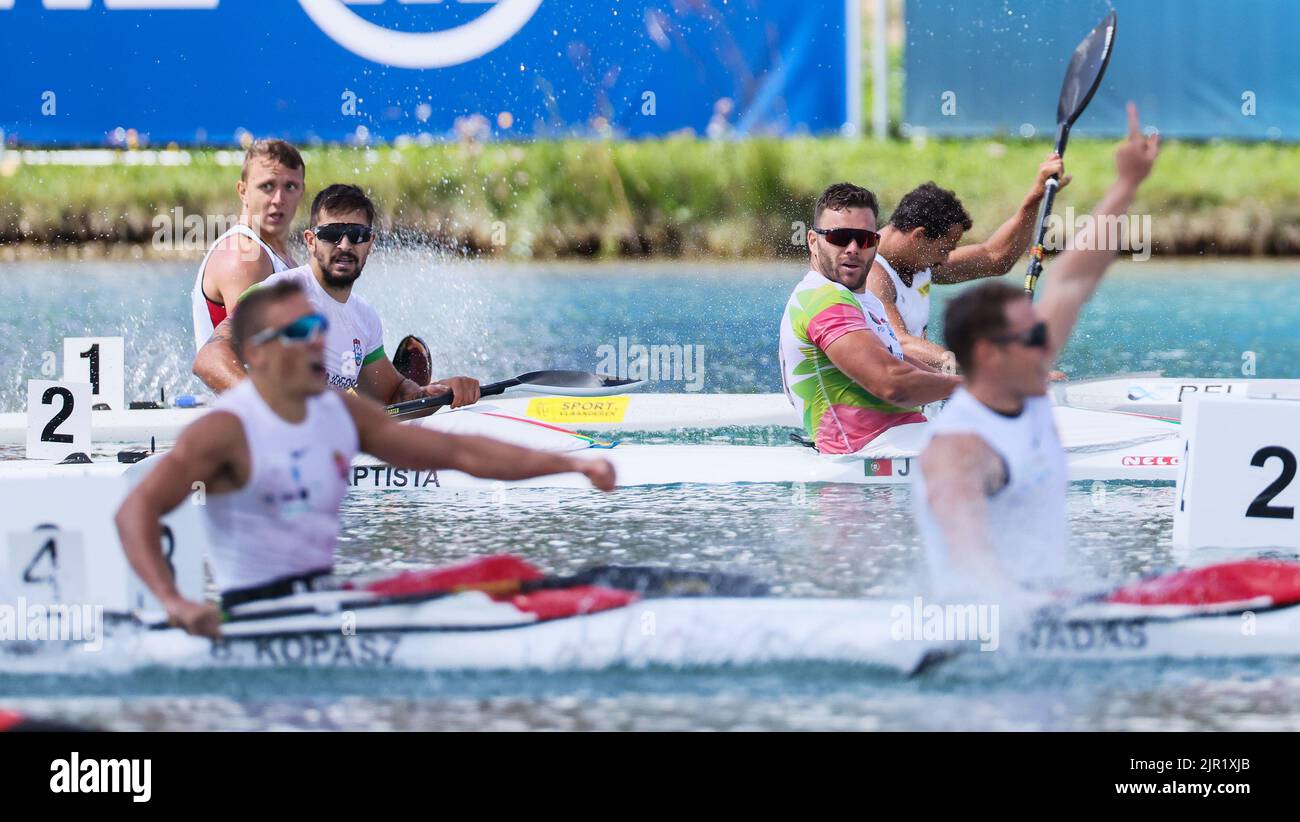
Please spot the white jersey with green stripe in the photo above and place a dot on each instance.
(355, 337)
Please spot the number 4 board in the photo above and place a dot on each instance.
(86, 564)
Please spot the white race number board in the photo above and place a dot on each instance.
(45, 565)
(58, 419)
(1239, 487)
(59, 543)
(100, 362)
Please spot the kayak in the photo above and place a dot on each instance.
(1193, 614)
(1138, 394)
(1098, 449)
(1156, 396)
(607, 415)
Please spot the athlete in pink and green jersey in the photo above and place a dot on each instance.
(842, 365)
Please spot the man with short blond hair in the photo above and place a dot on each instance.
(271, 185)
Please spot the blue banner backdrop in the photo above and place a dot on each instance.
(96, 72)
(1197, 69)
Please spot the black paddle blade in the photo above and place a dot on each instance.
(1085, 71)
(413, 360)
(571, 379)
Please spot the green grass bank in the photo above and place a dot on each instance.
(672, 197)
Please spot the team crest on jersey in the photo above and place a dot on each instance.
(881, 322)
(924, 290)
(356, 351)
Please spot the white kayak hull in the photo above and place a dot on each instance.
(642, 465)
(1101, 446)
(1166, 397)
(634, 412)
(1137, 394)
(468, 632)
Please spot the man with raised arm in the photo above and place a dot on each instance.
(990, 497)
(338, 243)
(842, 366)
(918, 248)
(274, 456)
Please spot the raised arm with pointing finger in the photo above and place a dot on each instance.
(1077, 272)
(990, 494)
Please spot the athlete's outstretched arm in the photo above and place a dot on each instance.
(1000, 252)
(1075, 275)
(217, 364)
(409, 446)
(868, 363)
(203, 454)
(961, 471)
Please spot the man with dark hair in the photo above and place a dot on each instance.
(339, 244)
(274, 456)
(919, 248)
(841, 364)
(990, 496)
(270, 188)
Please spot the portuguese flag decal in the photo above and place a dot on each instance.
(878, 468)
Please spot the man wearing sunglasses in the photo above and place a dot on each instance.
(274, 456)
(338, 244)
(990, 496)
(842, 366)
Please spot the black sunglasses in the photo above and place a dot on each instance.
(1035, 337)
(333, 232)
(843, 236)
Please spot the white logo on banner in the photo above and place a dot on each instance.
(420, 50)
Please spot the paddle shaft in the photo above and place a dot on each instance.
(542, 382)
(646, 581)
(1052, 186)
(424, 406)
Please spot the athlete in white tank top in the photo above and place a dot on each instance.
(923, 236)
(297, 478)
(1025, 516)
(990, 494)
(208, 314)
(913, 301)
(274, 459)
